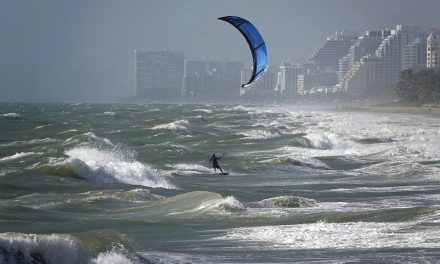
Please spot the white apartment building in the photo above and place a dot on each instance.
(391, 52)
(414, 55)
(287, 79)
(433, 51)
(363, 78)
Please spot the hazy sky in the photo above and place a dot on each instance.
(83, 50)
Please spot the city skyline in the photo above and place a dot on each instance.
(346, 66)
(83, 51)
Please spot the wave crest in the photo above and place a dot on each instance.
(19, 156)
(98, 247)
(326, 140)
(288, 201)
(33, 248)
(12, 116)
(177, 126)
(113, 165)
(195, 204)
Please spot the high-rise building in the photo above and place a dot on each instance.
(288, 79)
(263, 88)
(158, 74)
(433, 51)
(326, 57)
(308, 80)
(391, 52)
(344, 66)
(212, 80)
(323, 65)
(377, 59)
(366, 44)
(414, 55)
(363, 78)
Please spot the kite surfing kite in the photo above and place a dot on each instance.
(256, 44)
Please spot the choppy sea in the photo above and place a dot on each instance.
(115, 183)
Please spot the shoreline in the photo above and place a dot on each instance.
(392, 109)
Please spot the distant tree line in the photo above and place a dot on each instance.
(419, 86)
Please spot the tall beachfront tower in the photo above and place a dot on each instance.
(433, 51)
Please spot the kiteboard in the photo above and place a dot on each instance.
(225, 173)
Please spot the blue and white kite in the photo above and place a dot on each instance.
(256, 44)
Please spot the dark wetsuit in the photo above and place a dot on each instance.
(215, 165)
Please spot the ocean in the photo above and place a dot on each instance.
(125, 183)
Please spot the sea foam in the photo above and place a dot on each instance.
(114, 257)
(87, 248)
(12, 115)
(259, 134)
(188, 169)
(288, 201)
(19, 156)
(177, 126)
(354, 235)
(110, 165)
(33, 248)
(326, 140)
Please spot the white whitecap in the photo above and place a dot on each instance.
(177, 126)
(326, 140)
(208, 111)
(352, 235)
(183, 168)
(113, 257)
(12, 115)
(113, 165)
(19, 156)
(31, 248)
(42, 126)
(259, 134)
(109, 113)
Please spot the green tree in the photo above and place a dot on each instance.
(421, 86)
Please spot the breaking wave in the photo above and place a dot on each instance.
(328, 140)
(176, 126)
(12, 116)
(191, 205)
(99, 247)
(33, 248)
(113, 165)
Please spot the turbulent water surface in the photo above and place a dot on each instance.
(84, 183)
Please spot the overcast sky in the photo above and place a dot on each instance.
(83, 50)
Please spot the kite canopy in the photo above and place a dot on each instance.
(256, 44)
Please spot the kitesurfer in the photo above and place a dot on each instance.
(214, 162)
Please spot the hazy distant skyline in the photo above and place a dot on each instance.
(57, 50)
